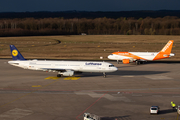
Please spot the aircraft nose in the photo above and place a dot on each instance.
(10, 62)
(115, 68)
(109, 56)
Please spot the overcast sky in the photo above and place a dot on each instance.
(87, 5)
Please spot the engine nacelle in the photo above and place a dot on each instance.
(125, 61)
(68, 73)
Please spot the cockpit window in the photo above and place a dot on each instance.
(111, 65)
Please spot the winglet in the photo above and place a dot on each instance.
(16, 55)
(168, 47)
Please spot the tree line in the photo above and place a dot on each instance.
(99, 26)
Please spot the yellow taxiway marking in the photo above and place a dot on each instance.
(67, 78)
(28, 94)
(177, 116)
(52, 77)
(36, 86)
(71, 78)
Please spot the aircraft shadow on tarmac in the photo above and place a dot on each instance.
(116, 118)
(159, 62)
(150, 62)
(130, 72)
(121, 73)
(89, 75)
(167, 111)
(168, 62)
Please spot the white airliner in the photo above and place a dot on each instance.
(65, 68)
(127, 57)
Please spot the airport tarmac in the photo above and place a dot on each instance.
(124, 95)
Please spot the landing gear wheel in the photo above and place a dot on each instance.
(117, 61)
(104, 75)
(58, 75)
(137, 62)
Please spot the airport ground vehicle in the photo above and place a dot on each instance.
(89, 116)
(154, 109)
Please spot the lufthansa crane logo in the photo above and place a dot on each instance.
(14, 52)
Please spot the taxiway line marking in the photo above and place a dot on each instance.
(52, 77)
(27, 94)
(91, 105)
(36, 86)
(71, 78)
(67, 78)
(177, 116)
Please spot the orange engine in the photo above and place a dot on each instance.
(125, 61)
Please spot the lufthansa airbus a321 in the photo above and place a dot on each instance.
(64, 68)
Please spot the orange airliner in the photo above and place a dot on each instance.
(138, 57)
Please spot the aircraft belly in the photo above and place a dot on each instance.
(94, 69)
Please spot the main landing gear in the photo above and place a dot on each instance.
(104, 75)
(140, 62)
(137, 62)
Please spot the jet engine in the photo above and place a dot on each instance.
(126, 61)
(68, 73)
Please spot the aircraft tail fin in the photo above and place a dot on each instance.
(168, 47)
(16, 55)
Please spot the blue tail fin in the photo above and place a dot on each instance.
(16, 55)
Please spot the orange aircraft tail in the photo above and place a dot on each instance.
(168, 47)
(165, 52)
